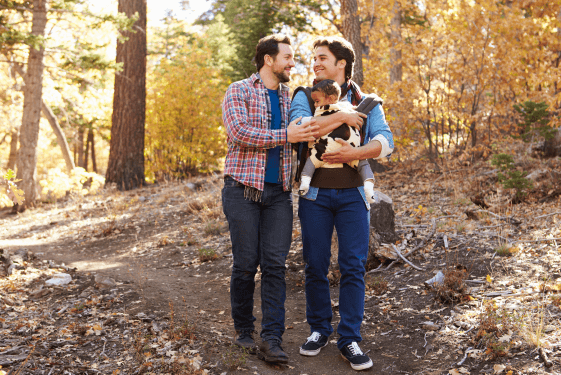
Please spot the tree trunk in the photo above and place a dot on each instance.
(60, 137)
(396, 68)
(13, 150)
(351, 32)
(87, 151)
(32, 93)
(49, 115)
(91, 141)
(80, 147)
(473, 130)
(396, 72)
(126, 153)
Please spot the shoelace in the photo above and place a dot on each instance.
(314, 337)
(354, 349)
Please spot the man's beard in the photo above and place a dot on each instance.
(282, 76)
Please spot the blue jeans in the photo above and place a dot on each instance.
(346, 210)
(261, 233)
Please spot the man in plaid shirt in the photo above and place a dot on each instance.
(256, 197)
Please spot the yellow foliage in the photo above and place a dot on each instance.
(58, 183)
(9, 192)
(184, 131)
(464, 66)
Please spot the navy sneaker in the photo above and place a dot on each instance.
(358, 360)
(313, 344)
(244, 339)
(271, 351)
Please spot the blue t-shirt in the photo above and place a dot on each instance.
(272, 173)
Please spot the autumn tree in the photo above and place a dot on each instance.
(75, 63)
(27, 154)
(184, 131)
(126, 155)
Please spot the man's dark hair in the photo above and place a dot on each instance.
(268, 45)
(328, 87)
(342, 49)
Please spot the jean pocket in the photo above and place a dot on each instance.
(312, 194)
(230, 182)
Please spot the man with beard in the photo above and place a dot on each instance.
(336, 199)
(256, 197)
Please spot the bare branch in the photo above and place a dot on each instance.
(405, 259)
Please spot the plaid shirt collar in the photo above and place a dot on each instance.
(256, 81)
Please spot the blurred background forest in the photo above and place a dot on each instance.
(456, 76)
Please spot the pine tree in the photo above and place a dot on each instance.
(126, 154)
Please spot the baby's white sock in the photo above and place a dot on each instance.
(304, 185)
(369, 191)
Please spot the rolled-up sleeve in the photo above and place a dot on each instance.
(236, 119)
(378, 130)
(300, 107)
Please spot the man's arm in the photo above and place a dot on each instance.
(236, 120)
(377, 134)
(326, 124)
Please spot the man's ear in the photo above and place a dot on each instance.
(342, 63)
(269, 60)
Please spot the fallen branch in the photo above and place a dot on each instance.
(425, 240)
(422, 244)
(24, 362)
(446, 217)
(405, 259)
(410, 226)
(379, 269)
(555, 213)
(543, 356)
(540, 240)
(493, 226)
(465, 356)
(509, 220)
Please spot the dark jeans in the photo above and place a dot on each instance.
(344, 209)
(261, 233)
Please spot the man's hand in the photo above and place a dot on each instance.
(344, 154)
(306, 132)
(355, 119)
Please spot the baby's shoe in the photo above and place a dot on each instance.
(304, 185)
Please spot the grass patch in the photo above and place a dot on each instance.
(234, 357)
(207, 255)
(378, 285)
(505, 250)
(495, 330)
(213, 228)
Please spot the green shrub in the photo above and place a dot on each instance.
(512, 179)
(535, 121)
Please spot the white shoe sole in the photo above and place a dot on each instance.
(311, 353)
(362, 366)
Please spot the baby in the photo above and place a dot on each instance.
(325, 95)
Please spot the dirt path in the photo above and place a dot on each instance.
(151, 240)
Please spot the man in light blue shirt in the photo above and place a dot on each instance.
(336, 199)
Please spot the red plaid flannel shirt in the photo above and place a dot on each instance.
(246, 112)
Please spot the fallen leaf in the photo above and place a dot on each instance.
(505, 338)
(498, 368)
(489, 279)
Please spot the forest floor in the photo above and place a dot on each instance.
(150, 273)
